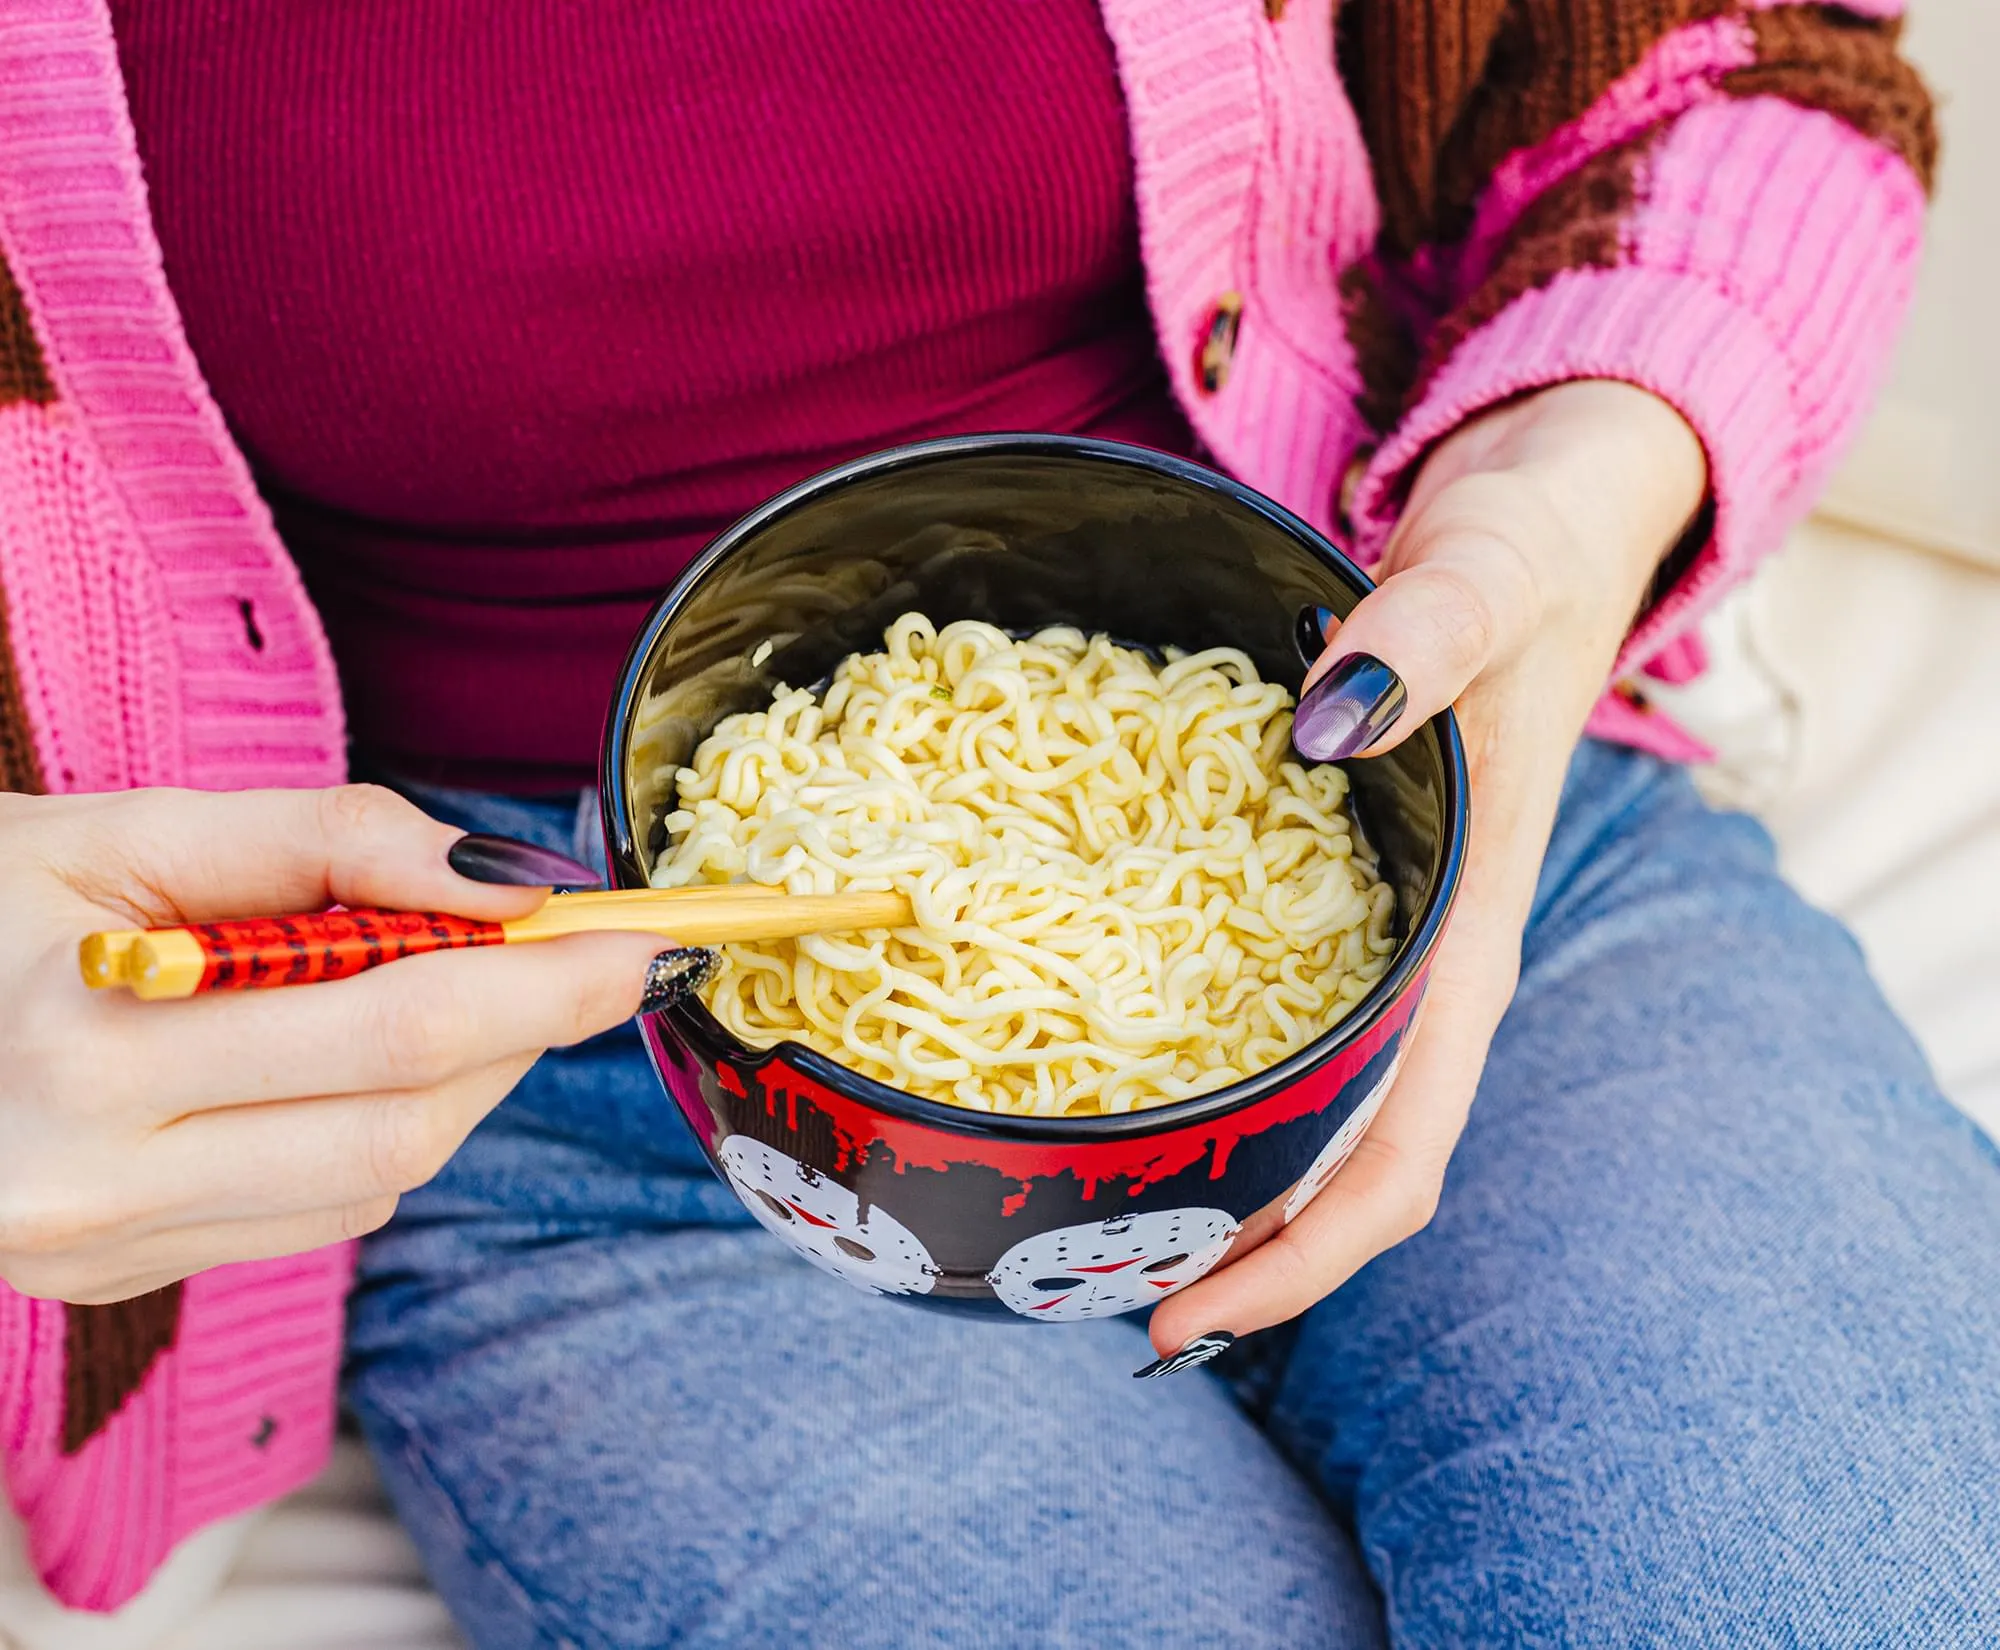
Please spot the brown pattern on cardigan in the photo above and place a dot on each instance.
(1820, 57)
(107, 1350)
(24, 373)
(1445, 93)
(24, 376)
(1385, 347)
(107, 1353)
(1578, 223)
(19, 769)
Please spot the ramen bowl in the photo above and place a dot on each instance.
(1045, 1219)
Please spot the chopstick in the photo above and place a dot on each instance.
(259, 952)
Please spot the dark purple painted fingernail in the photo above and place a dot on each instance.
(479, 857)
(1348, 709)
(1315, 625)
(673, 974)
(1197, 1351)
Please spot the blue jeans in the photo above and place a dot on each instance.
(1702, 1348)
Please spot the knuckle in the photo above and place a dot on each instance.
(1294, 1274)
(411, 1140)
(602, 998)
(47, 1224)
(424, 1033)
(358, 812)
(46, 1063)
(1460, 620)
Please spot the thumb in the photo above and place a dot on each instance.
(196, 856)
(1463, 599)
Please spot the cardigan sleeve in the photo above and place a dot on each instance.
(1723, 205)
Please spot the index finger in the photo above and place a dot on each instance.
(405, 1025)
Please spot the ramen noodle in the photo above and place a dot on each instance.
(1127, 889)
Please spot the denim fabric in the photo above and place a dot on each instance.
(1702, 1349)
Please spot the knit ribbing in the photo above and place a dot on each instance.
(129, 535)
(19, 769)
(562, 309)
(1251, 180)
(24, 375)
(1817, 58)
(1770, 255)
(165, 676)
(108, 1351)
(1447, 93)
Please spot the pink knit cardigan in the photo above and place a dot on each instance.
(160, 636)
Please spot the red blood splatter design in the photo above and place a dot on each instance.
(1131, 1163)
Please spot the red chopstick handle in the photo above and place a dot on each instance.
(329, 945)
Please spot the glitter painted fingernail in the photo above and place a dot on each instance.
(1348, 709)
(479, 857)
(673, 974)
(1197, 1352)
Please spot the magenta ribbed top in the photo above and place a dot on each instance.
(513, 308)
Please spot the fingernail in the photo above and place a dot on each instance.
(1197, 1351)
(1315, 625)
(1348, 709)
(479, 857)
(673, 974)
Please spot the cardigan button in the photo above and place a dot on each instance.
(1627, 691)
(1274, 9)
(1218, 343)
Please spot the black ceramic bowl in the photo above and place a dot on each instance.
(1053, 1219)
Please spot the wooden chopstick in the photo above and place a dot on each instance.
(298, 950)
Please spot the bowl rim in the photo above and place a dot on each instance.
(705, 1032)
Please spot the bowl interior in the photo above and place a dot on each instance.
(1020, 532)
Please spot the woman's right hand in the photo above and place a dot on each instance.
(141, 1142)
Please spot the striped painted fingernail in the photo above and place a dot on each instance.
(1197, 1352)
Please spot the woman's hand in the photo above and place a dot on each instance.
(144, 1141)
(1508, 587)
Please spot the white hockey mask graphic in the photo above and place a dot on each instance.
(1113, 1266)
(1341, 1147)
(822, 1220)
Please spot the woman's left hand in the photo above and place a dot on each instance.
(1530, 539)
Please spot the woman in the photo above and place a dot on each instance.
(1558, 310)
